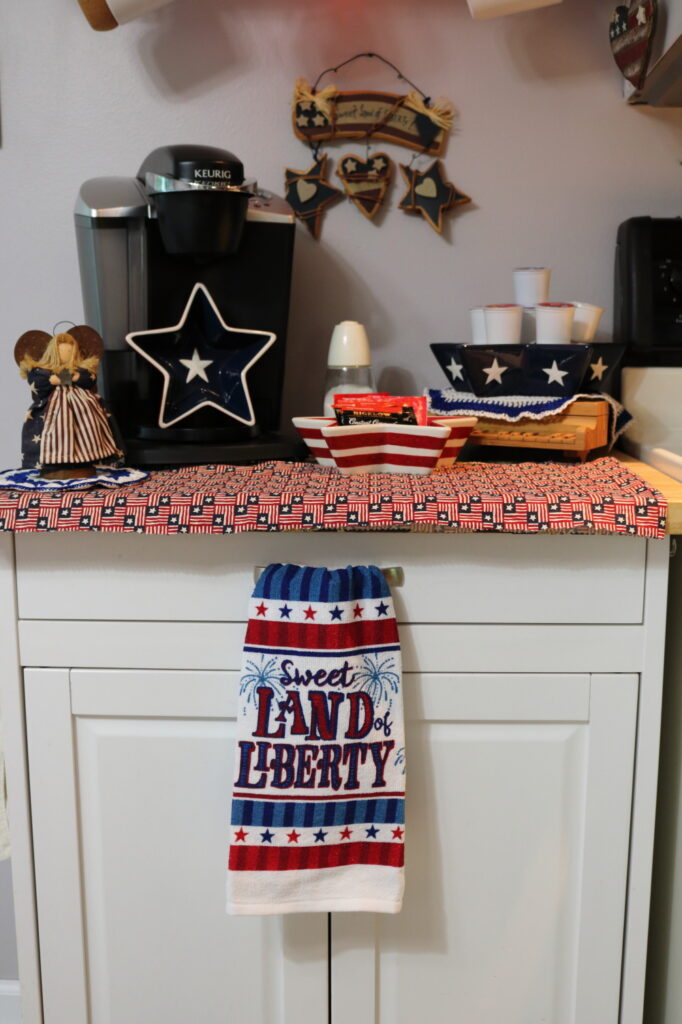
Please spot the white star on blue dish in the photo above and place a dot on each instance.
(202, 339)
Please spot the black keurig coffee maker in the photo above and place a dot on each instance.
(186, 274)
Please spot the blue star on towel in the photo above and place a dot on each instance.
(267, 836)
(320, 836)
(203, 361)
(336, 613)
(372, 832)
(382, 608)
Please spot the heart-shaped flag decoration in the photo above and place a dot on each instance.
(631, 32)
(366, 181)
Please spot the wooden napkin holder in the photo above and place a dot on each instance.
(580, 429)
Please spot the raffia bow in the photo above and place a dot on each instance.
(322, 100)
(442, 113)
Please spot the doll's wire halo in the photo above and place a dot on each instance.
(59, 323)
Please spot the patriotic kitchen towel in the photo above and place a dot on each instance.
(318, 803)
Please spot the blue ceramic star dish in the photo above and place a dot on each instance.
(203, 361)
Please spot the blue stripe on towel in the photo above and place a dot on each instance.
(306, 814)
(306, 583)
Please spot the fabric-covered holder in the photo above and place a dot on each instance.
(317, 820)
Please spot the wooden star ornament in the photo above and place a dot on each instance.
(309, 193)
(430, 194)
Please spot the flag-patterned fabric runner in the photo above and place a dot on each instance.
(604, 496)
(318, 816)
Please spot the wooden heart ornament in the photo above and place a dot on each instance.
(631, 32)
(366, 181)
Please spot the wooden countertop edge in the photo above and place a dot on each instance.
(670, 488)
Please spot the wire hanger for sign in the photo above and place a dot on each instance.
(323, 115)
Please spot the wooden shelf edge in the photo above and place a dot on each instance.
(672, 489)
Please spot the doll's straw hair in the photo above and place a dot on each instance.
(51, 359)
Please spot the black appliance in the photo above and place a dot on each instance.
(188, 221)
(648, 291)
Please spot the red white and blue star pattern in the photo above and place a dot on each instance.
(318, 809)
(603, 496)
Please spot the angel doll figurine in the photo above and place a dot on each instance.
(66, 430)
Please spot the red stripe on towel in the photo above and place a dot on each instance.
(291, 858)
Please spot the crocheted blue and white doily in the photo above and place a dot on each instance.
(105, 476)
(448, 402)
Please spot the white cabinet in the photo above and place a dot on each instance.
(518, 820)
(130, 780)
(519, 816)
(533, 672)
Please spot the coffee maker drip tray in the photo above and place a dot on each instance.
(196, 435)
(263, 447)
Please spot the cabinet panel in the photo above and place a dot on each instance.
(425, 648)
(516, 861)
(448, 578)
(148, 832)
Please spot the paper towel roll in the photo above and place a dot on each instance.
(494, 8)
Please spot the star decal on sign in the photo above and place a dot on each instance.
(455, 370)
(191, 380)
(430, 194)
(494, 372)
(309, 193)
(554, 374)
(598, 369)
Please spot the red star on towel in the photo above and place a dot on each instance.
(357, 611)
(310, 612)
(397, 833)
(293, 836)
(240, 836)
(261, 608)
(346, 833)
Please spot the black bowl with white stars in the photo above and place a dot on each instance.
(503, 370)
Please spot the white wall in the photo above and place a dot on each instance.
(551, 155)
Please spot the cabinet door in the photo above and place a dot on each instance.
(518, 813)
(130, 786)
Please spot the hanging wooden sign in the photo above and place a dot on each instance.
(405, 120)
